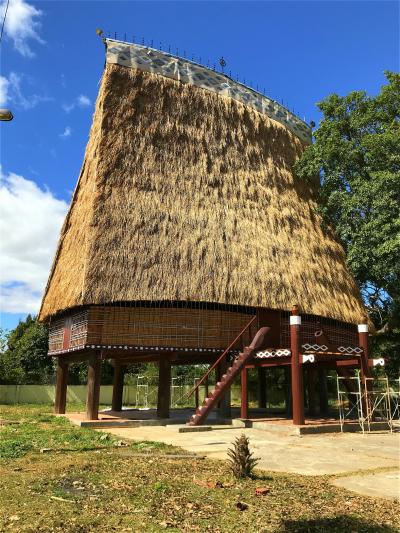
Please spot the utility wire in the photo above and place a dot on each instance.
(4, 20)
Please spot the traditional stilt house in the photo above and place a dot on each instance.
(188, 240)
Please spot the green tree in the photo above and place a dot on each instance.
(356, 154)
(24, 356)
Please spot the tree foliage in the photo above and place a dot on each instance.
(356, 154)
(24, 358)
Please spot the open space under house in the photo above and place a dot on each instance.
(188, 241)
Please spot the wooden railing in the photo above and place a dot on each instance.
(220, 358)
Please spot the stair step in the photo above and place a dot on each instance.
(221, 386)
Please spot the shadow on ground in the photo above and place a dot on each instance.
(339, 524)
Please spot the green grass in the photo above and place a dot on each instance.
(87, 484)
(33, 428)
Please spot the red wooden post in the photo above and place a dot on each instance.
(244, 405)
(296, 367)
(365, 370)
(61, 387)
(93, 387)
(363, 342)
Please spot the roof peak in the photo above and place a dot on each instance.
(150, 59)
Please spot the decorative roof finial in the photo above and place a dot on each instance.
(222, 62)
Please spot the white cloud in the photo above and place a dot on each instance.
(4, 85)
(30, 222)
(11, 91)
(21, 25)
(80, 101)
(83, 101)
(66, 133)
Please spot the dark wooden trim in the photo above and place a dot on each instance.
(164, 388)
(244, 404)
(323, 391)
(311, 390)
(262, 387)
(118, 387)
(93, 387)
(61, 388)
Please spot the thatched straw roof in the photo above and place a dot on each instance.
(185, 194)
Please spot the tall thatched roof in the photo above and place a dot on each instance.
(188, 194)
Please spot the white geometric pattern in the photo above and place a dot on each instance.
(350, 350)
(315, 347)
(281, 352)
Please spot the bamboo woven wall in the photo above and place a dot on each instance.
(150, 326)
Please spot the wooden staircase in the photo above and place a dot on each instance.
(226, 380)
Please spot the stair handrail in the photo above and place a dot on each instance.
(232, 344)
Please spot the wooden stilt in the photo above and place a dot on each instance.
(311, 390)
(61, 387)
(118, 386)
(93, 387)
(164, 388)
(244, 404)
(262, 388)
(323, 391)
(297, 370)
(288, 392)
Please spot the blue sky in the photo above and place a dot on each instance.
(52, 61)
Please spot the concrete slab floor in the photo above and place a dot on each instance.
(309, 454)
(380, 484)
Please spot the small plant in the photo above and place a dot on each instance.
(241, 460)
